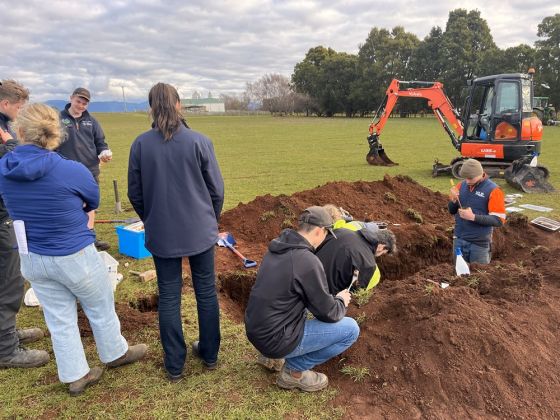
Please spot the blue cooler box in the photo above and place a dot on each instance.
(132, 242)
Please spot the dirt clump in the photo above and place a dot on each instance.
(132, 320)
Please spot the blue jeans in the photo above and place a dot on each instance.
(58, 283)
(322, 341)
(471, 253)
(170, 284)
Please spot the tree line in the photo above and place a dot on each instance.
(327, 82)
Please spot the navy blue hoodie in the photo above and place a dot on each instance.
(48, 193)
(290, 281)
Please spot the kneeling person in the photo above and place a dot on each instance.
(290, 282)
(355, 250)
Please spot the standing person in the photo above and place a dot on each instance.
(84, 143)
(52, 196)
(355, 250)
(176, 187)
(478, 205)
(13, 96)
(290, 282)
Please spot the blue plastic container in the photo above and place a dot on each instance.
(131, 243)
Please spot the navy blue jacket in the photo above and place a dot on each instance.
(290, 281)
(48, 193)
(177, 189)
(5, 148)
(84, 139)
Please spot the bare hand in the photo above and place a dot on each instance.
(345, 295)
(466, 214)
(106, 158)
(5, 135)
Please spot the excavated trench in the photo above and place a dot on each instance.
(488, 345)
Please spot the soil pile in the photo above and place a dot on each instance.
(486, 346)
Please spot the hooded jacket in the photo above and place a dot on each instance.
(349, 251)
(84, 141)
(5, 148)
(49, 193)
(290, 281)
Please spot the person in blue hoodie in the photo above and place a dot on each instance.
(52, 196)
(176, 187)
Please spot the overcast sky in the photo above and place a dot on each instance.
(207, 45)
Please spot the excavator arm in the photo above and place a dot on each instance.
(444, 111)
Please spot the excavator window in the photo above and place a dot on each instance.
(508, 98)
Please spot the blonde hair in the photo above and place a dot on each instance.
(39, 124)
(333, 211)
(13, 91)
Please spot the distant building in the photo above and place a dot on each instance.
(203, 105)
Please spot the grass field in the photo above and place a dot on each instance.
(257, 155)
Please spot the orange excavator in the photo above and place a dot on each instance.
(496, 127)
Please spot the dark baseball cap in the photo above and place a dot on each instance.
(82, 93)
(317, 216)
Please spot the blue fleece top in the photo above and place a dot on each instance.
(48, 192)
(177, 189)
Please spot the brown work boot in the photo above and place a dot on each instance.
(91, 378)
(274, 365)
(24, 358)
(102, 245)
(309, 380)
(133, 354)
(29, 335)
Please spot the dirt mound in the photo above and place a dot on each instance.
(486, 346)
(132, 320)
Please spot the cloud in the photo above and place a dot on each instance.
(211, 45)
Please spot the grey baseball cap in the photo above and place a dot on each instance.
(317, 216)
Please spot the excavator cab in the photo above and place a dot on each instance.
(502, 132)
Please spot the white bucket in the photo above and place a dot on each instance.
(112, 268)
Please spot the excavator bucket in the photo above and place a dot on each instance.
(376, 155)
(527, 178)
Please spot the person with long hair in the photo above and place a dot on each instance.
(176, 187)
(52, 196)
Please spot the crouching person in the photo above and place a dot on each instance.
(290, 282)
(52, 196)
(355, 250)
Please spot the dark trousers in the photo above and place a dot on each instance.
(170, 282)
(11, 288)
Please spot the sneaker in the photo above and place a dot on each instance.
(29, 335)
(102, 245)
(309, 381)
(24, 358)
(274, 365)
(91, 378)
(209, 366)
(133, 354)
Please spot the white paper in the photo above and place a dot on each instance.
(21, 237)
(536, 208)
(30, 298)
(511, 209)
